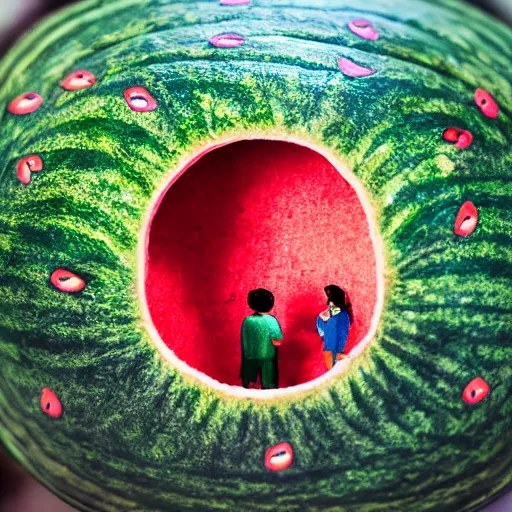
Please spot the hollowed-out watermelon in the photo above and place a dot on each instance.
(160, 158)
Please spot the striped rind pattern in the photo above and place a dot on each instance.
(390, 434)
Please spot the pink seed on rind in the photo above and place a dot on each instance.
(50, 403)
(78, 80)
(486, 103)
(26, 166)
(66, 281)
(476, 391)
(227, 40)
(364, 29)
(352, 69)
(139, 99)
(462, 138)
(25, 104)
(466, 220)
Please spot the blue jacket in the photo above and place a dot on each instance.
(334, 332)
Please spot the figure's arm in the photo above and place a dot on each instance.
(320, 326)
(325, 315)
(275, 330)
(344, 324)
(243, 337)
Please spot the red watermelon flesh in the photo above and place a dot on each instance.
(257, 214)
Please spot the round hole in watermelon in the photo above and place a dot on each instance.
(392, 432)
(255, 214)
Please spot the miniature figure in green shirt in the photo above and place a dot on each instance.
(261, 334)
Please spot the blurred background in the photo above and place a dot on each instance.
(18, 491)
(16, 16)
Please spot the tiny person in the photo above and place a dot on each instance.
(333, 324)
(261, 334)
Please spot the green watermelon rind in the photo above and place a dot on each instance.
(392, 432)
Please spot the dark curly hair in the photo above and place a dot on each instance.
(261, 300)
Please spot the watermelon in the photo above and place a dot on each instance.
(160, 158)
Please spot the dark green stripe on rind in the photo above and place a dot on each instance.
(393, 433)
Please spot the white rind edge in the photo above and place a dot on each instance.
(198, 377)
